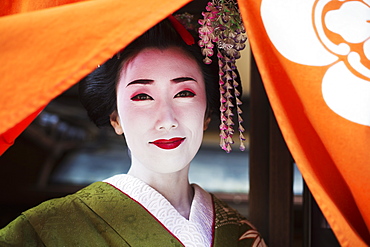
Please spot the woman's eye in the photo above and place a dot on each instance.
(185, 94)
(141, 96)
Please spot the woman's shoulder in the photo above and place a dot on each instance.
(58, 205)
(67, 221)
(60, 209)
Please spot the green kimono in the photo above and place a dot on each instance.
(101, 215)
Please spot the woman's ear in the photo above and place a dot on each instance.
(206, 123)
(116, 123)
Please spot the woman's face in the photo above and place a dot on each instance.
(161, 104)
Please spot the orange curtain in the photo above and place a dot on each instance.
(313, 57)
(316, 75)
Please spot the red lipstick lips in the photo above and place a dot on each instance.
(168, 144)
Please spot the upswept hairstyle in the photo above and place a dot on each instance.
(98, 89)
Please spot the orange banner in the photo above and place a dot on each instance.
(313, 57)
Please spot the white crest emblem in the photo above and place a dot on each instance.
(334, 33)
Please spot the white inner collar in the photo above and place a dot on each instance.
(197, 231)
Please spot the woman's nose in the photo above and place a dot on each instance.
(166, 117)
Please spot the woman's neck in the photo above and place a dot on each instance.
(174, 187)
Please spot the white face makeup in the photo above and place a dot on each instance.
(161, 104)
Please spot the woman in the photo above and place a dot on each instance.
(160, 96)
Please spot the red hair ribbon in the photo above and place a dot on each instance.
(185, 35)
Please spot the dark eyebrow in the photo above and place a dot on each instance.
(140, 81)
(182, 79)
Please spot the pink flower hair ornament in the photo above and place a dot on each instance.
(222, 26)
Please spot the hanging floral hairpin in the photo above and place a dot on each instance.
(222, 25)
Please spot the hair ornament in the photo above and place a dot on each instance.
(222, 26)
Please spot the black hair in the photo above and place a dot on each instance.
(98, 89)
